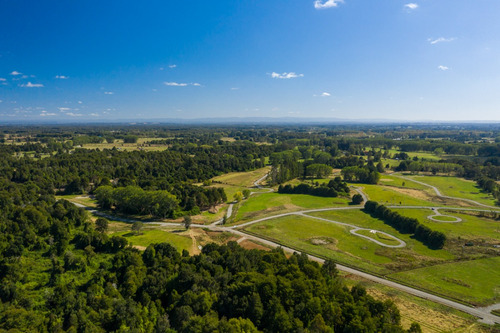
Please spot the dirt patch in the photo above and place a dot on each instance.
(249, 245)
(323, 241)
(423, 195)
(419, 194)
(140, 248)
(386, 180)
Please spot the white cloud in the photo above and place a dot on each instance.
(285, 75)
(62, 77)
(319, 4)
(94, 114)
(47, 114)
(177, 84)
(411, 6)
(80, 102)
(64, 109)
(441, 40)
(16, 73)
(325, 94)
(2, 79)
(108, 93)
(71, 114)
(32, 85)
(1, 101)
(172, 66)
(443, 68)
(234, 88)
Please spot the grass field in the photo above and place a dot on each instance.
(415, 251)
(389, 180)
(471, 227)
(242, 179)
(149, 236)
(388, 195)
(473, 281)
(457, 187)
(78, 198)
(378, 237)
(324, 239)
(267, 204)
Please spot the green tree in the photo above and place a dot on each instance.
(101, 224)
(238, 196)
(137, 227)
(357, 199)
(187, 221)
(246, 193)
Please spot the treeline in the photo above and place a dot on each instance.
(364, 175)
(333, 189)
(433, 167)
(160, 204)
(490, 186)
(407, 225)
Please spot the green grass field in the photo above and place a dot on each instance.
(389, 180)
(78, 198)
(242, 179)
(414, 250)
(267, 204)
(457, 187)
(378, 237)
(390, 196)
(150, 236)
(473, 281)
(324, 239)
(471, 227)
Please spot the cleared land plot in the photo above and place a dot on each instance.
(473, 281)
(394, 181)
(324, 239)
(268, 204)
(457, 187)
(378, 237)
(415, 253)
(387, 195)
(79, 199)
(471, 226)
(242, 179)
(150, 236)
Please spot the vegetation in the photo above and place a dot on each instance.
(59, 271)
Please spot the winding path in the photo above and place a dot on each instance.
(439, 194)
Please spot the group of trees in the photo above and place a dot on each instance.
(160, 204)
(361, 174)
(433, 239)
(333, 188)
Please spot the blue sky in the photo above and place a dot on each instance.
(388, 59)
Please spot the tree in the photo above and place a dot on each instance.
(101, 224)
(187, 221)
(246, 193)
(238, 196)
(357, 199)
(137, 227)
